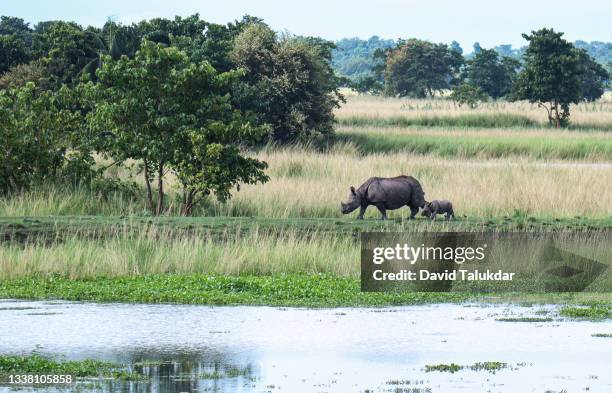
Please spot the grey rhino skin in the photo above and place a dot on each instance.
(433, 208)
(386, 194)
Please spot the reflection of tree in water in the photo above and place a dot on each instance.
(185, 371)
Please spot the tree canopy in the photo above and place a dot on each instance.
(556, 74)
(290, 82)
(493, 74)
(418, 68)
(173, 115)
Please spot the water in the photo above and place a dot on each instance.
(325, 350)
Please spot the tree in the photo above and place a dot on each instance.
(13, 52)
(39, 134)
(289, 82)
(492, 74)
(201, 40)
(551, 76)
(455, 46)
(418, 68)
(594, 77)
(20, 75)
(367, 84)
(354, 58)
(172, 115)
(10, 25)
(470, 95)
(65, 49)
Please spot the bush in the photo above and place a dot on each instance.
(467, 94)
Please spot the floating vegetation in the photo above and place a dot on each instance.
(491, 367)
(524, 319)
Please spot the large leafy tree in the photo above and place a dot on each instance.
(172, 115)
(13, 52)
(15, 42)
(289, 82)
(39, 134)
(553, 75)
(65, 49)
(418, 68)
(493, 74)
(201, 40)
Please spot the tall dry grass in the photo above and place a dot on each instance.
(375, 108)
(307, 183)
(311, 184)
(158, 251)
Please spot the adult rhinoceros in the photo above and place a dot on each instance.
(386, 194)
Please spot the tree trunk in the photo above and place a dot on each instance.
(160, 189)
(557, 117)
(188, 202)
(148, 184)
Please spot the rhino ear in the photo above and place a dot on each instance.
(353, 190)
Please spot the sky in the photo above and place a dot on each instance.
(489, 22)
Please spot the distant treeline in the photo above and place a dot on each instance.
(550, 71)
(353, 58)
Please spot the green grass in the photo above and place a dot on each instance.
(89, 247)
(280, 290)
(500, 120)
(23, 228)
(92, 247)
(481, 146)
(602, 335)
(37, 364)
(475, 120)
(292, 290)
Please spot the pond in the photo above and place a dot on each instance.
(264, 349)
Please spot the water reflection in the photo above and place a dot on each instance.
(261, 349)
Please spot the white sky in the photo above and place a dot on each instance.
(488, 22)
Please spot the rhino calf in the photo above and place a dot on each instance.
(386, 194)
(433, 208)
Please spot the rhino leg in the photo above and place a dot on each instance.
(413, 212)
(362, 210)
(382, 210)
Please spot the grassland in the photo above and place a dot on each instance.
(486, 172)
(113, 247)
(285, 242)
(311, 184)
(376, 111)
(453, 142)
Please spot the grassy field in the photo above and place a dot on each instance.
(285, 242)
(371, 110)
(311, 184)
(80, 248)
(452, 142)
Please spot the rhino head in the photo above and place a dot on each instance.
(426, 209)
(354, 201)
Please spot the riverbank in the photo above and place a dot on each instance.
(318, 290)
